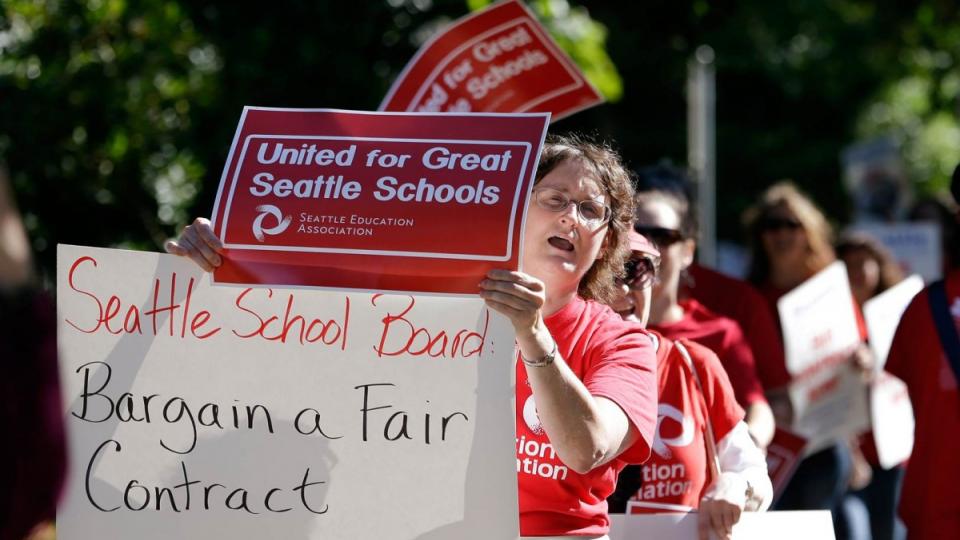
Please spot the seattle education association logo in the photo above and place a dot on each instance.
(269, 210)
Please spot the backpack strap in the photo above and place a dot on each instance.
(946, 329)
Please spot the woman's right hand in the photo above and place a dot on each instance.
(198, 242)
(721, 506)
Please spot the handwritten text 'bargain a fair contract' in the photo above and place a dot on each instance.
(496, 60)
(377, 201)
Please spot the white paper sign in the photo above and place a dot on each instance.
(256, 413)
(891, 416)
(819, 334)
(882, 314)
(799, 525)
(916, 246)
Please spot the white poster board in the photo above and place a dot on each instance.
(798, 525)
(882, 315)
(257, 413)
(915, 246)
(820, 333)
(891, 414)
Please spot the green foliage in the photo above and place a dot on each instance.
(920, 106)
(581, 37)
(116, 117)
(97, 117)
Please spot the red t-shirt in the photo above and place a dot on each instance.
(614, 359)
(677, 473)
(741, 302)
(724, 337)
(930, 500)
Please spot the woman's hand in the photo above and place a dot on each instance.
(864, 362)
(198, 242)
(517, 295)
(721, 506)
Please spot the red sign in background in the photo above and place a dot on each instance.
(783, 457)
(496, 60)
(376, 201)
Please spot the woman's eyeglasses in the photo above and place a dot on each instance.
(640, 273)
(592, 213)
(779, 224)
(660, 236)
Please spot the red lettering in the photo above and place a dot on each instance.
(132, 325)
(113, 308)
(295, 326)
(70, 276)
(825, 388)
(108, 316)
(416, 341)
(261, 324)
(199, 320)
(172, 307)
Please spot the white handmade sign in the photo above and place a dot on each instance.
(891, 414)
(228, 412)
(800, 525)
(819, 335)
(882, 315)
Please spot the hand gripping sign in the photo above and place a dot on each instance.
(375, 201)
(496, 60)
(820, 334)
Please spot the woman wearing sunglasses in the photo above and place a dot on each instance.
(665, 216)
(586, 385)
(790, 241)
(703, 457)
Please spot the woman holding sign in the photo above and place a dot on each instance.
(703, 456)
(586, 386)
(790, 243)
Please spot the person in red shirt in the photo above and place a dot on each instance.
(703, 457)
(738, 300)
(872, 270)
(930, 499)
(586, 385)
(790, 241)
(664, 215)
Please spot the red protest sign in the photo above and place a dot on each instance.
(496, 60)
(376, 201)
(783, 456)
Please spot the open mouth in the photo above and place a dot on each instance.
(560, 243)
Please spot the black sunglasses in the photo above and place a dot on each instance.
(639, 273)
(779, 224)
(660, 236)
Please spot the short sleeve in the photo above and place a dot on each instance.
(625, 373)
(903, 347)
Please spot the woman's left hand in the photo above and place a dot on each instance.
(517, 295)
(864, 362)
(721, 507)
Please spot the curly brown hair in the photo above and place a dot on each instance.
(599, 281)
